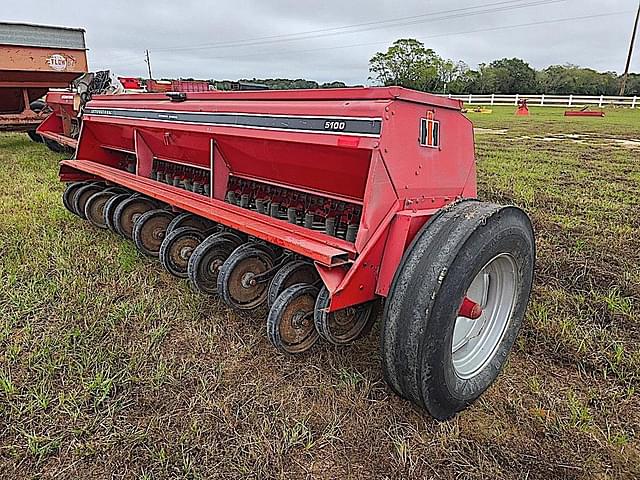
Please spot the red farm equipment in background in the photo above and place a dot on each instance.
(584, 112)
(320, 205)
(33, 59)
(61, 128)
(164, 86)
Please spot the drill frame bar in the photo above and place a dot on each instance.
(326, 250)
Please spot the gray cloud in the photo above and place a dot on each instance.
(181, 35)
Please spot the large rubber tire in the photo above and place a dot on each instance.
(150, 229)
(206, 260)
(94, 208)
(425, 297)
(53, 145)
(128, 211)
(82, 196)
(110, 210)
(177, 247)
(69, 192)
(34, 136)
(36, 106)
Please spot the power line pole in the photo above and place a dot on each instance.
(148, 62)
(633, 40)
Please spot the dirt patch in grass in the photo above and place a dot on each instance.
(111, 368)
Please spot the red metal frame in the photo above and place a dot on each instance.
(395, 176)
(583, 113)
(58, 126)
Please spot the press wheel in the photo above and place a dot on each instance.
(94, 208)
(149, 230)
(69, 192)
(290, 325)
(237, 282)
(176, 249)
(82, 195)
(128, 211)
(110, 208)
(342, 326)
(292, 273)
(206, 260)
(189, 220)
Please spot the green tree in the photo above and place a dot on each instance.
(571, 79)
(333, 85)
(407, 63)
(633, 84)
(512, 75)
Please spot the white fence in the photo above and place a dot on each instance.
(550, 100)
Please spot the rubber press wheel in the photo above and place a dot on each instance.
(128, 211)
(110, 209)
(292, 273)
(189, 220)
(432, 354)
(69, 192)
(94, 208)
(176, 249)
(81, 197)
(206, 260)
(344, 326)
(290, 326)
(150, 229)
(237, 282)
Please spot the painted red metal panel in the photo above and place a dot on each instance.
(59, 125)
(402, 230)
(367, 94)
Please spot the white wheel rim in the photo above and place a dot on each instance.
(475, 342)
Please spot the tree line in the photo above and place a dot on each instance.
(410, 64)
(281, 83)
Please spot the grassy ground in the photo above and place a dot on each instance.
(111, 368)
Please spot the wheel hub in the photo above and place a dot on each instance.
(296, 327)
(215, 265)
(185, 252)
(244, 291)
(248, 280)
(158, 233)
(475, 341)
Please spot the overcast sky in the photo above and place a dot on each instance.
(226, 39)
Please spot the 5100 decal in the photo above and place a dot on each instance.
(335, 125)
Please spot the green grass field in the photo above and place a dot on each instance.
(111, 368)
